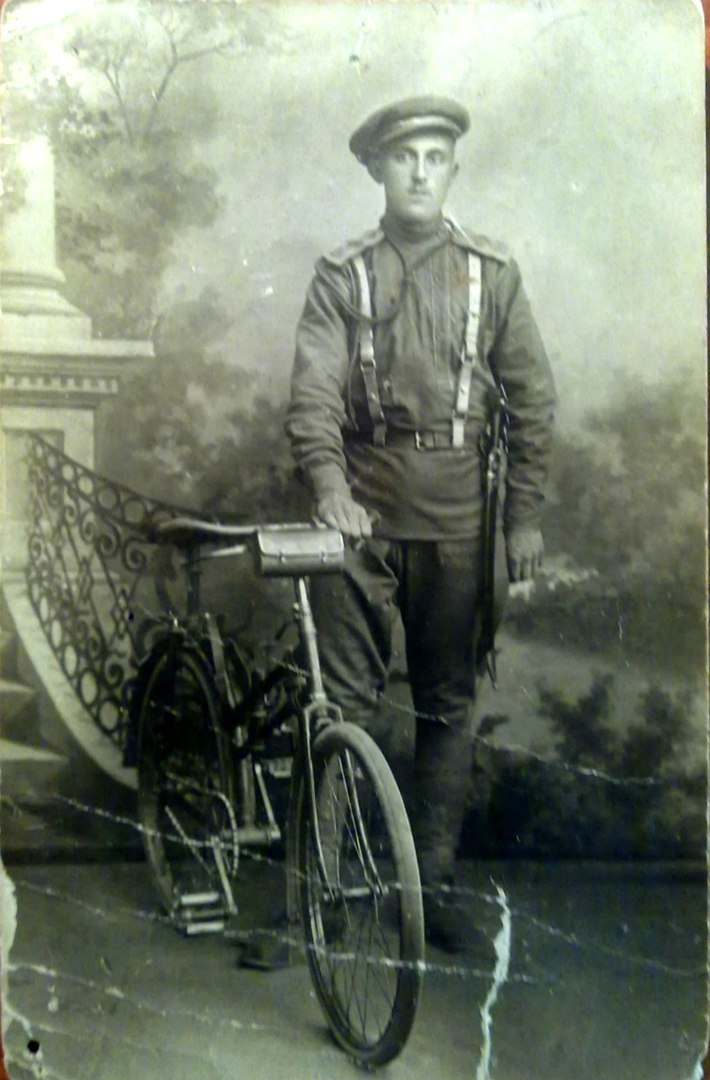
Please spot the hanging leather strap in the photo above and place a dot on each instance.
(368, 366)
(470, 352)
(220, 668)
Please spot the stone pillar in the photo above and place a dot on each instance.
(29, 275)
(53, 373)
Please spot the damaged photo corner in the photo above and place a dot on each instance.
(480, 229)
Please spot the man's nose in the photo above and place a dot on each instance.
(419, 169)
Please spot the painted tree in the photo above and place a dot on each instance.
(130, 116)
(131, 171)
(628, 489)
(628, 506)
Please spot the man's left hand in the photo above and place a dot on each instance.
(524, 550)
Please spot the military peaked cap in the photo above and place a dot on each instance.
(405, 118)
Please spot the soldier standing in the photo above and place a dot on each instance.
(405, 334)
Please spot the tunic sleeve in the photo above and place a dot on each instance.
(316, 413)
(520, 361)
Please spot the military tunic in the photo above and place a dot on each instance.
(419, 290)
(424, 560)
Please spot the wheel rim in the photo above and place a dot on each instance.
(180, 779)
(354, 931)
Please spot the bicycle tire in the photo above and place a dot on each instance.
(365, 952)
(184, 781)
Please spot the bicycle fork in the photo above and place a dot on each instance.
(319, 708)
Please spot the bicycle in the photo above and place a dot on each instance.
(205, 718)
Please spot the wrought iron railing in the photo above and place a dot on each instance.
(89, 576)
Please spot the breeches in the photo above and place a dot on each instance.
(434, 585)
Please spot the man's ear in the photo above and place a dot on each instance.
(374, 167)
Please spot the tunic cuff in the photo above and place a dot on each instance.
(521, 517)
(328, 479)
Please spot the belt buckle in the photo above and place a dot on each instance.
(418, 441)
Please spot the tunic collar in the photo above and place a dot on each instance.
(404, 233)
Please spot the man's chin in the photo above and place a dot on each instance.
(419, 214)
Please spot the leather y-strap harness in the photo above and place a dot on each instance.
(368, 366)
(469, 355)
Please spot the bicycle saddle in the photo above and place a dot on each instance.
(281, 549)
(190, 532)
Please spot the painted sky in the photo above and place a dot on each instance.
(586, 156)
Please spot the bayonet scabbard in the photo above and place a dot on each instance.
(493, 451)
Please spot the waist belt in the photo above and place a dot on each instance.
(420, 440)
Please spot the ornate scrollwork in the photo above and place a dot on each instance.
(89, 576)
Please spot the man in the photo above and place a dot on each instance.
(404, 336)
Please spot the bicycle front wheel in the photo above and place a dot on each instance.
(360, 896)
(184, 804)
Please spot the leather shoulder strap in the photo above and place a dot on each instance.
(470, 351)
(351, 248)
(476, 242)
(368, 366)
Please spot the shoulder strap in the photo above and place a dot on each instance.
(368, 366)
(347, 251)
(481, 245)
(470, 351)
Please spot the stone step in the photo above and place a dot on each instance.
(50, 829)
(29, 772)
(12, 752)
(64, 792)
(18, 710)
(46, 816)
(64, 723)
(8, 654)
(29, 767)
(19, 717)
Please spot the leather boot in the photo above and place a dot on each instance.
(442, 766)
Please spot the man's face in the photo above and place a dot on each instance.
(416, 172)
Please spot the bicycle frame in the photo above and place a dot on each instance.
(279, 555)
(208, 721)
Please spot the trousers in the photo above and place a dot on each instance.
(434, 586)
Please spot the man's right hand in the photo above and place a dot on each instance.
(342, 512)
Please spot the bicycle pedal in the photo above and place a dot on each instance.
(199, 899)
(209, 926)
(200, 913)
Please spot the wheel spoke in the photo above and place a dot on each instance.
(190, 844)
(182, 770)
(358, 832)
(358, 959)
(381, 971)
(366, 985)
